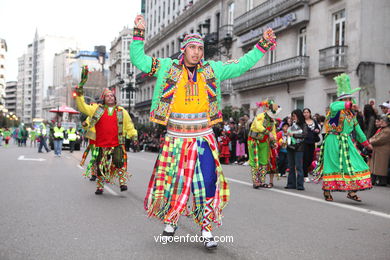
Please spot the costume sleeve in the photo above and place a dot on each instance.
(235, 68)
(381, 138)
(128, 126)
(257, 124)
(84, 108)
(338, 106)
(360, 136)
(274, 132)
(145, 63)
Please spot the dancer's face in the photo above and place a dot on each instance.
(193, 55)
(109, 99)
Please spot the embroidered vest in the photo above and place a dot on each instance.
(162, 113)
(119, 114)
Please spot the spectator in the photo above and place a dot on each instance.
(241, 140)
(312, 137)
(379, 162)
(224, 147)
(297, 133)
(282, 146)
(385, 107)
(369, 121)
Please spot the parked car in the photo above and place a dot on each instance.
(65, 143)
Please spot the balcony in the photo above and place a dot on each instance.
(263, 13)
(143, 104)
(226, 87)
(333, 60)
(225, 31)
(292, 69)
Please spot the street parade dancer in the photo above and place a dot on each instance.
(187, 99)
(261, 143)
(91, 171)
(112, 124)
(340, 166)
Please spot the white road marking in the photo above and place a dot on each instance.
(336, 204)
(110, 190)
(22, 158)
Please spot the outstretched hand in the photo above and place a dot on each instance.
(269, 35)
(139, 22)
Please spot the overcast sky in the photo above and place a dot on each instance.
(89, 22)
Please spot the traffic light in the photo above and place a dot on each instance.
(74, 94)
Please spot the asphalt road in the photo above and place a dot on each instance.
(49, 211)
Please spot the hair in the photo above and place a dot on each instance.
(301, 119)
(368, 111)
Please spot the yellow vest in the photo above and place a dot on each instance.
(196, 104)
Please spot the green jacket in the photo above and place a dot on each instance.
(168, 71)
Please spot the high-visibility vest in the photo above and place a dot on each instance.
(59, 132)
(72, 134)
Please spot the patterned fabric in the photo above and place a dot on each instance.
(112, 165)
(263, 45)
(188, 125)
(155, 66)
(92, 167)
(138, 34)
(193, 38)
(161, 114)
(259, 159)
(177, 167)
(208, 215)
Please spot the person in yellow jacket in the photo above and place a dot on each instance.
(112, 124)
(58, 138)
(262, 138)
(72, 137)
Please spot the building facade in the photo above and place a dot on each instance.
(35, 75)
(62, 76)
(11, 96)
(167, 22)
(3, 54)
(317, 40)
(122, 73)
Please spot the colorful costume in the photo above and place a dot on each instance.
(91, 171)
(224, 152)
(112, 125)
(340, 165)
(189, 103)
(260, 143)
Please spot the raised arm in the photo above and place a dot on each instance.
(84, 108)
(128, 126)
(236, 68)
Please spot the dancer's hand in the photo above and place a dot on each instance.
(269, 35)
(369, 147)
(139, 22)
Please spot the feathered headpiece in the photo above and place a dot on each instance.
(269, 107)
(344, 86)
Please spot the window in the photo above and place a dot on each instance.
(159, 14)
(173, 47)
(299, 103)
(163, 10)
(339, 28)
(271, 56)
(168, 50)
(249, 5)
(231, 13)
(162, 52)
(302, 42)
(169, 4)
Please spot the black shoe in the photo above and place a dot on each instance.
(93, 178)
(99, 191)
(168, 234)
(40, 152)
(287, 187)
(300, 188)
(123, 187)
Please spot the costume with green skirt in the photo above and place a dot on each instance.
(340, 166)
